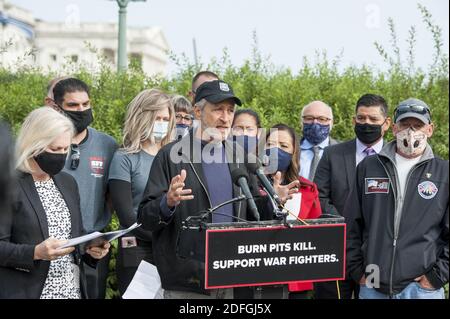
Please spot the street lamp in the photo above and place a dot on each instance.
(122, 52)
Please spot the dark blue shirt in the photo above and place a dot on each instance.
(218, 183)
(218, 180)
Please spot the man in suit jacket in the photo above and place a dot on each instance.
(317, 121)
(336, 171)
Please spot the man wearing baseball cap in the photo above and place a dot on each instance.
(398, 233)
(187, 178)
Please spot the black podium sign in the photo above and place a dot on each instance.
(274, 255)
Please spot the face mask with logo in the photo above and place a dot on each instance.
(368, 133)
(248, 143)
(160, 129)
(278, 156)
(315, 133)
(410, 142)
(80, 119)
(51, 163)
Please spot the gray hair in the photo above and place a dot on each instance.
(313, 102)
(201, 104)
(181, 104)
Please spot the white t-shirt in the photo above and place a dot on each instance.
(404, 165)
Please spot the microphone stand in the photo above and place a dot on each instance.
(279, 213)
(196, 222)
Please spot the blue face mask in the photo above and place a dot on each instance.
(182, 130)
(316, 133)
(248, 143)
(282, 158)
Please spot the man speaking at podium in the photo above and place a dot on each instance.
(188, 177)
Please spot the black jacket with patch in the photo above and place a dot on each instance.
(406, 237)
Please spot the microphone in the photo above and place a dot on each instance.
(255, 168)
(240, 178)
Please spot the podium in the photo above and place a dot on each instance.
(268, 255)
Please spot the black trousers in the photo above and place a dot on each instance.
(128, 260)
(328, 290)
(96, 278)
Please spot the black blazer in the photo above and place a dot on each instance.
(335, 175)
(25, 226)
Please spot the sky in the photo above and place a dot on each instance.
(287, 30)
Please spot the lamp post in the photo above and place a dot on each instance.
(122, 50)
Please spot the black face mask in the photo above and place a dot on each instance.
(368, 133)
(51, 163)
(80, 119)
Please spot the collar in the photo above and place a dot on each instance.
(306, 145)
(389, 151)
(360, 146)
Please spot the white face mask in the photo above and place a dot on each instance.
(410, 142)
(160, 129)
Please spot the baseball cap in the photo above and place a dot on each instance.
(215, 92)
(412, 108)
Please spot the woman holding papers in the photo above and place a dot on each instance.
(149, 125)
(45, 214)
(282, 163)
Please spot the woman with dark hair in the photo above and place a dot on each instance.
(283, 153)
(246, 129)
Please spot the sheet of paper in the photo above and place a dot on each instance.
(293, 205)
(95, 237)
(146, 283)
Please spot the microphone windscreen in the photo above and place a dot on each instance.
(252, 167)
(237, 173)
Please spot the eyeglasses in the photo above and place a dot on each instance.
(75, 156)
(320, 119)
(187, 118)
(420, 109)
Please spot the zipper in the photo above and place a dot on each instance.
(198, 177)
(397, 218)
(394, 244)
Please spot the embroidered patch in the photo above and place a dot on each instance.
(224, 87)
(427, 189)
(375, 185)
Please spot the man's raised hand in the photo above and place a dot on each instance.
(176, 192)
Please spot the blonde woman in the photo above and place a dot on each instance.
(45, 214)
(149, 125)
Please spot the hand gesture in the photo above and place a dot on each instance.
(284, 191)
(176, 192)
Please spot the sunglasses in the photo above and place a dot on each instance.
(419, 109)
(75, 156)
